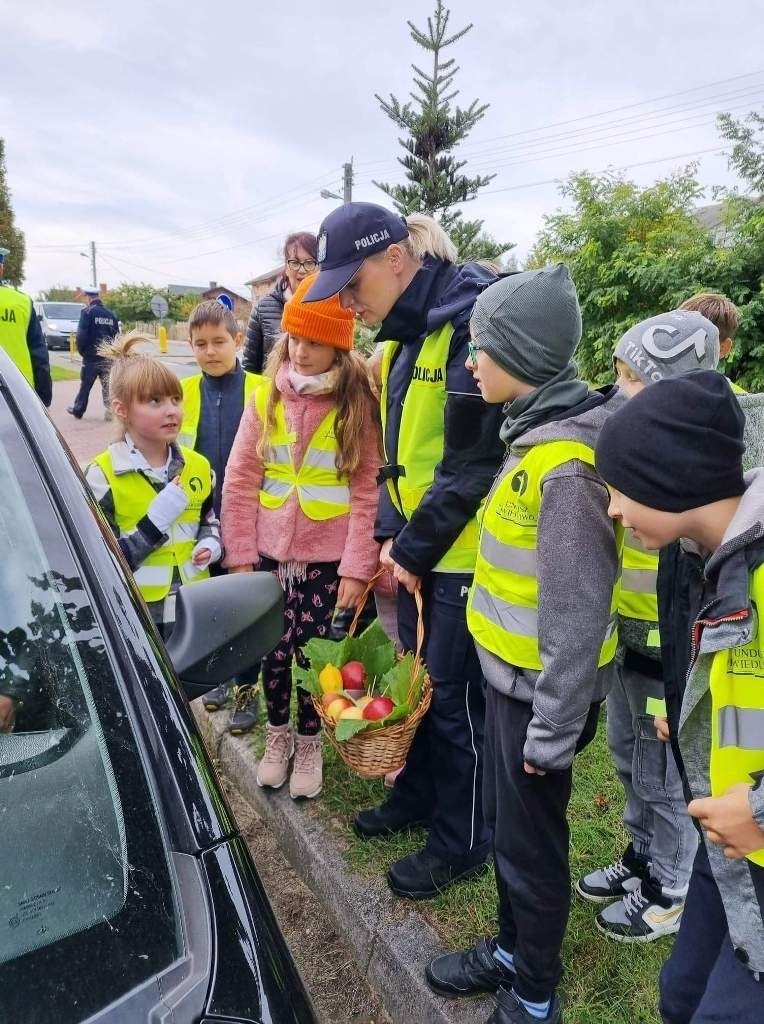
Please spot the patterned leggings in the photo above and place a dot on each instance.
(308, 610)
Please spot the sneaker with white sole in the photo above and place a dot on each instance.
(274, 764)
(307, 771)
(615, 880)
(643, 915)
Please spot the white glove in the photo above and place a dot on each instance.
(211, 544)
(167, 506)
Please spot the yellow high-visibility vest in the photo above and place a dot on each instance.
(15, 313)
(421, 440)
(132, 494)
(502, 608)
(638, 586)
(321, 491)
(192, 403)
(737, 702)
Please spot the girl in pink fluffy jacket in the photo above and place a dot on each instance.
(299, 500)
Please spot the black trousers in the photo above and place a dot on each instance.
(442, 780)
(703, 981)
(528, 817)
(91, 370)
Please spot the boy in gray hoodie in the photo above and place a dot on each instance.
(685, 480)
(543, 613)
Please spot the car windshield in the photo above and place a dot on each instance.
(85, 876)
(62, 310)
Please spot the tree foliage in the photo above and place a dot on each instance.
(60, 293)
(132, 303)
(434, 127)
(634, 252)
(10, 237)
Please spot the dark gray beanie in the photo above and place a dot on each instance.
(530, 323)
(669, 345)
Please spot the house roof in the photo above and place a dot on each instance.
(229, 291)
(271, 275)
(185, 289)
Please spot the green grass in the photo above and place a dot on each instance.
(606, 982)
(63, 373)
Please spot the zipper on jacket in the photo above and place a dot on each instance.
(698, 628)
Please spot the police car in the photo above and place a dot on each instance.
(126, 891)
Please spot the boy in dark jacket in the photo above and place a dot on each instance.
(213, 403)
(684, 479)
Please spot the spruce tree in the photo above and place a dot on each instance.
(10, 237)
(437, 182)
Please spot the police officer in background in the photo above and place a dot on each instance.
(97, 324)
(22, 338)
(442, 450)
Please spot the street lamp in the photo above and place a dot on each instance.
(326, 194)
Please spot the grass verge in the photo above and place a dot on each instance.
(606, 982)
(63, 373)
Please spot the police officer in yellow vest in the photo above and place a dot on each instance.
(543, 612)
(22, 338)
(684, 479)
(442, 451)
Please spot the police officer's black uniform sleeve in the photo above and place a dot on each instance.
(38, 352)
(473, 452)
(83, 331)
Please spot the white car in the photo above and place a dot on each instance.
(58, 320)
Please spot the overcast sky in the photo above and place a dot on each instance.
(187, 139)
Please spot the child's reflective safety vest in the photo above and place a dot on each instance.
(192, 403)
(321, 491)
(639, 582)
(15, 311)
(502, 608)
(132, 494)
(421, 440)
(737, 701)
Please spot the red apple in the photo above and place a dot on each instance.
(378, 707)
(353, 675)
(337, 706)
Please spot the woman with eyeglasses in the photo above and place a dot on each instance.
(265, 322)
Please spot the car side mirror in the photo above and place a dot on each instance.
(223, 627)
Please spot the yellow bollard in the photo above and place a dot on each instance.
(162, 338)
(72, 347)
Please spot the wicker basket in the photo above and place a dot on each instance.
(375, 752)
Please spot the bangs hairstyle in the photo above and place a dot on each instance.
(355, 398)
(137, 376)
(212, 312)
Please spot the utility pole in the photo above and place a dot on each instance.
(93, 264)
(347, 182)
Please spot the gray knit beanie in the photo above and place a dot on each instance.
(530, 323)
(669, 345)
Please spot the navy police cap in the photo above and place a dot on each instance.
(346, 238)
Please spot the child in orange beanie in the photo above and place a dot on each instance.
(299, 500)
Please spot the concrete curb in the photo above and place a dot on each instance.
(391, 942)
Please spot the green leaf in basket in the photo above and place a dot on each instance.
(397, 682)
(374, 649)
(319, 653)
(347, 727)
(399, 711)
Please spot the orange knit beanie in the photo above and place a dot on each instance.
(324, 322)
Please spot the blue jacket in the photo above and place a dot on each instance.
(440, 292)
(97, 324)
(222, 405)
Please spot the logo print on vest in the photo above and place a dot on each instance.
(195, 485)
(520, 482)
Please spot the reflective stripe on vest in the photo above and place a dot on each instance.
(15, 313)
(132, 494)
(321, 492)
(192, 403)
(420, 439)
(639, 581)
(737, 701)
(502, 609)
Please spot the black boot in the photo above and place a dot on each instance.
(385, 820)
(422, 875)
(469, 971)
